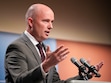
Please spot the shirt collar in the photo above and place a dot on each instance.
(32, 39)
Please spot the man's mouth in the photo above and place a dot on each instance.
(47, 32)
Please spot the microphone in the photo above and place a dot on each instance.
(91, 68)
(81, 67)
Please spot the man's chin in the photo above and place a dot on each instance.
(46, 37)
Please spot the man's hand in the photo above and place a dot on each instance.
(53, 58)
(98, 66)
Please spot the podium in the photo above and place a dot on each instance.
(83, 81)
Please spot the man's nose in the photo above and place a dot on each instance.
(50, 25)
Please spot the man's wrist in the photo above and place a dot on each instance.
(44, 73)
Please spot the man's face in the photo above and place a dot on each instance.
(42, 24)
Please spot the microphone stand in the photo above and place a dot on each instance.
(93, 70)
(83, 73)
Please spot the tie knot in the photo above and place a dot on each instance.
(39, 45)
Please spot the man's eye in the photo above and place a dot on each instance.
(45, 20)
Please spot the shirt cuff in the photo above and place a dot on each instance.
(43, 72)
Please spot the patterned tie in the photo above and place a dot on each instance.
(41, 51)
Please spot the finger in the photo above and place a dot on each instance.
(101, 63)
(62, 51)
(63, 55)
(59, 48)
(98, 66)
(48, 49)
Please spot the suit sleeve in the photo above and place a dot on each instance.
(16, 65)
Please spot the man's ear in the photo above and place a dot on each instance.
(30, 22)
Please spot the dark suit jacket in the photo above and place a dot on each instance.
(22, 64)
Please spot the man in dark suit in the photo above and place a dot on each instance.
(23, 62)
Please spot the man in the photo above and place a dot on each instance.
(23, 62)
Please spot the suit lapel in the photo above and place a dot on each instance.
(32, 47)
